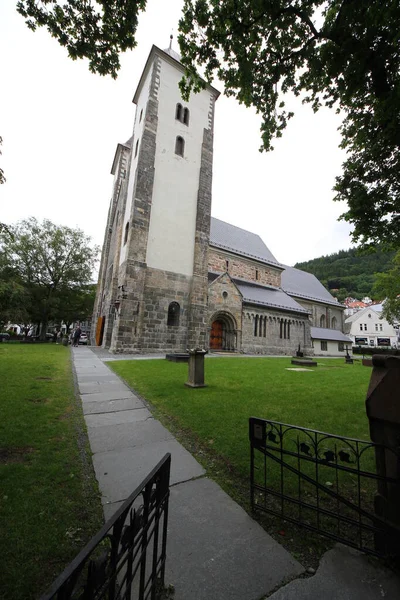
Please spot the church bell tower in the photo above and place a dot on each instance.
(159, 260)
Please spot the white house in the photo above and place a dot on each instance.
(368, 328)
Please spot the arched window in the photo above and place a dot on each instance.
(179, 146)
(173, 314)
(260, 329)
(256, 326)
(186, 116)
(322, 321)
(179, 112)
(334, 322)
(265, 327)
(288, 330)
(126, 233)
(136, 148)
(280, 328)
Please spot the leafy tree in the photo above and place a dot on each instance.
(387, 285)
(75, 304)
(350, 272)
(98, 30)
(48, 260)
(339, 53)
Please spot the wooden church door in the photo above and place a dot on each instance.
(216, 335)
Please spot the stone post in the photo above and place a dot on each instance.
(196, 368)
(383, 411)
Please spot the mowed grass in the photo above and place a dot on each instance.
(49, 502)
(329, 398)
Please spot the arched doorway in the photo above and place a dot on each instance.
(223, 332)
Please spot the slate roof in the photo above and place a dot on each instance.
(268, 296)
(305, 285)
(242, 242)
(332, 335)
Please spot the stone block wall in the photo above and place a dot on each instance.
(327, 311)
(241, 268)
(198, 312)
(276, 333)
(225, 298)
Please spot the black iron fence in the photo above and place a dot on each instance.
(126, 559)
(325, 483)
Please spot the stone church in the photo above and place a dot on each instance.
(171, 276)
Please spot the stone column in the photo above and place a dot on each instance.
(383, 411)
(196, 369)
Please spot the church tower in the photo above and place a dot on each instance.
(152, 292)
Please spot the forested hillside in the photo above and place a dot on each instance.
(349, 273)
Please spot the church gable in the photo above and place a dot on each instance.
(225, 297)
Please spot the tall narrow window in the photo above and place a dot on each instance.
(186, 116)
(256, 275)
(322, 321)
(179, 146)
(280, 328)
(256, 326)
(136, 148)
(126, 233)
(178, 112)
(265, 327)
(173, 314)
(260, 329)
(226, 265)
(333, 322)
(141, 115)
(288, 330)
(284, 329)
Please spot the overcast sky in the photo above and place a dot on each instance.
(60, 126)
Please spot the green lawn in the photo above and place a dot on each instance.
(330, 398)
(212, 423)
(49, 502)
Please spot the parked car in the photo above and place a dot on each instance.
(83, 339)
(4, 336)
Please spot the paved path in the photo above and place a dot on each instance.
(215, 550)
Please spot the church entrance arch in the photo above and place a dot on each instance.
(223, 332)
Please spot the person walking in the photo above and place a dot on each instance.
(77, 335)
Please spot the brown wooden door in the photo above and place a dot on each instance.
(100, 330)
(216, 335)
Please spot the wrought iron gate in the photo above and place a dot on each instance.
(325, 483)
(125, 560)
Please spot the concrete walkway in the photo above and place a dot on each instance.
(215, 550)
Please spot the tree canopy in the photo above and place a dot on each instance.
(343, 54)
(350, 273)
(52, 268)
(97, 30)
(387, 286)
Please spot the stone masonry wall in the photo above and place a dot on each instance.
(132, 273)
(248, 269)
(225, 298)
(327, 311)
(198, 312)
(107, 283)
(276, 333)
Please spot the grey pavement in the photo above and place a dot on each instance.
(215, 551)
(344, 574)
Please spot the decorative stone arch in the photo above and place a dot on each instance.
(223, 331)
